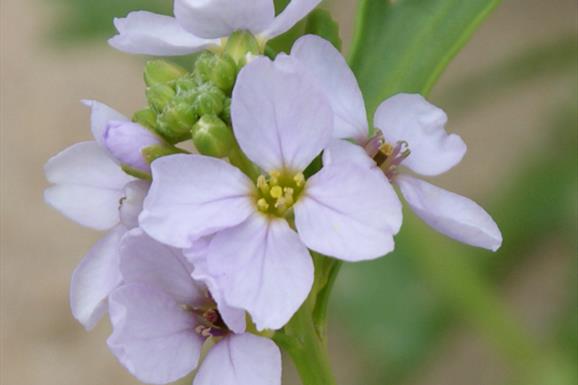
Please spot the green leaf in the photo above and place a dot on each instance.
(322, 24)
(404, 45)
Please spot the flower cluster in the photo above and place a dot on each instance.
(208, 252)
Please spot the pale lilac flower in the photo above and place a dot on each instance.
(411, 134)
(282, 121)
(161, 317)
(126, 142)
(90, 188)
(200, 24)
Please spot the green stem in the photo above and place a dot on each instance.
(306, 347)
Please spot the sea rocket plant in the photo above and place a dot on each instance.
(282, 121)
(213, 255)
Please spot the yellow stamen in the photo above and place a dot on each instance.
(299, 179)
(276, 192)
(262, 204)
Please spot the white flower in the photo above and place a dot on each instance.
(282, 121)
(412, 134)
(90, 188)
(199, 24)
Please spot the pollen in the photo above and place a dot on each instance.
(276, 193)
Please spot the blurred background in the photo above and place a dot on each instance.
(432, 313)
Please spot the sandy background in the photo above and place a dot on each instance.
(40, 115)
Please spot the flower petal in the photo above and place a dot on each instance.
(348, 212)
(95, 278)
(193, 196)
(451, 214)
(197, 255)
(213, 19)
(88, 185)
(281, 118)
(262, 266)
(153, 337)
(343, 152)
(330, 69)
(144, 260)
(148, 33)
(132, 201)
(239, 360)
(411, 118)
(100, 116)
(295, 11)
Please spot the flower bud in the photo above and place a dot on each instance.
(158, 95)
(212, 136)
(241, 43)
(176, 121)
(126, 141)
(146, 117)
(210, 100)
(160, 71)
(220, 70)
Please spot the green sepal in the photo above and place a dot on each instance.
(161, 72)
(239, 44)
(210, 100)
(175, 122)
(212, 137)
(146, 117)
(135, 172)
(159, 95)
(154, 152)
(321, 23)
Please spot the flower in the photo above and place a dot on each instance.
(90, 188)
(161, 317)
(126, 142)
(411, 134)
(199, 24)
(282, 122)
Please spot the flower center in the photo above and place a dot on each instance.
(387, 156)
(277, 193)
(210, 322)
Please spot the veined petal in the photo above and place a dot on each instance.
(132, 201)
(330, 69)
(197, 255)
(148, 33)
(451, 214)
(144, 260)
(281, 118)
(291, 15)
(348, 212)
(153, 337)
(100, 116)
(241, 360)
(88, 185)
(192, 196)
(213, 19)
(262, 266)
(95, 278)
(411, 118)
(343, 152)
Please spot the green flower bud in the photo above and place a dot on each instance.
(210, 100)
(224, 72)
(153, 152)
(159, 95)
(227, 112)
(204, 65)
(159, 71)
(146, 117)
(176, 121)
(212, 137)
(186, 83)
(239, 44)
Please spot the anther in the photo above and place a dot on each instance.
(299, 179)
(276, 192)
(262, 204)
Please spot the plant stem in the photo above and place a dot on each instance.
(306, 347)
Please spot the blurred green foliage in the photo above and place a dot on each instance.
(398, 310)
